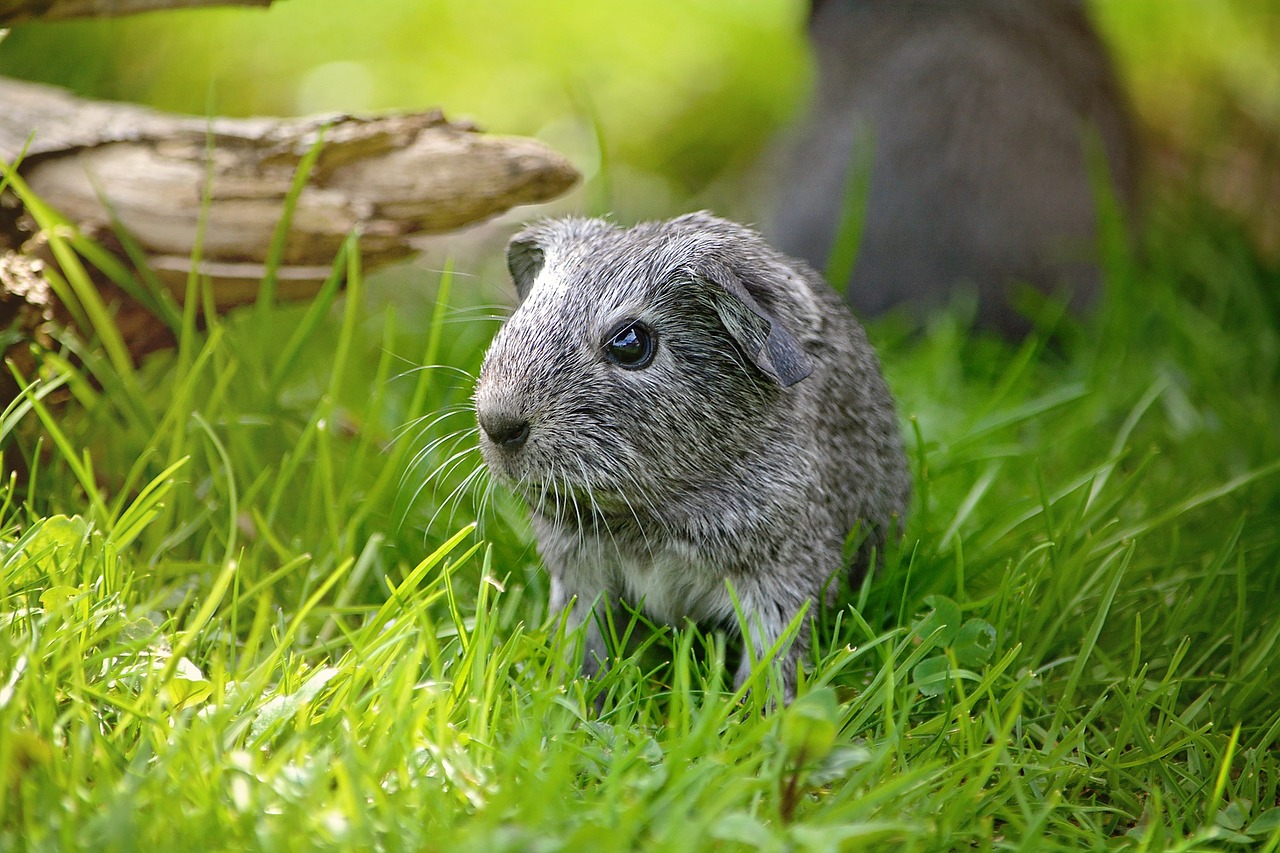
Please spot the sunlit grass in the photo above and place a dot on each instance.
(237, 611)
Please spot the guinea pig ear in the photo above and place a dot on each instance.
(765, 341)
(525, 257)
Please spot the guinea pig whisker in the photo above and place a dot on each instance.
(421, 457)
(640, 525)
(571, 503)
(473, 314)
(466, 487)
(639, 492)
(455, 438)
(482, 507)
(437, 474)
(487, 506)
(436, 477)
(597, 515)
(450, 464)
(486, 499)
(429, 420)
(425, 422)
(450, 501)
(549, 485)
(473, 319)
(461, 312)
(415, 367)
(442, 471)
(568, 494)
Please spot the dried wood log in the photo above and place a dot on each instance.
(392, 178)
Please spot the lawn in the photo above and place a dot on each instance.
(246, 603)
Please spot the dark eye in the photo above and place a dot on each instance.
(631, 346)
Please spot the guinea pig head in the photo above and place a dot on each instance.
(638, 363)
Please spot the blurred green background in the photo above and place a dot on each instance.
(659, 103)
(676, 91)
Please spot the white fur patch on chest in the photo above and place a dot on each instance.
(668, 583)
(673, 588)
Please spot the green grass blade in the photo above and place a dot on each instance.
(280, 237)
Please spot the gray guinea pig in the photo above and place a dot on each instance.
(683, 407)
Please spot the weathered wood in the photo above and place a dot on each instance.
(392, 178)
(17, 11)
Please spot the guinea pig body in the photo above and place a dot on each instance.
(683, 408)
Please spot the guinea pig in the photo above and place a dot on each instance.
(685, 409)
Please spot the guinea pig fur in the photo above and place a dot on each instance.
(683, 408)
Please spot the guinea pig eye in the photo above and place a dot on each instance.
(631, 346)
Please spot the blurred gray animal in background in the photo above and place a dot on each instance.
(980, 116)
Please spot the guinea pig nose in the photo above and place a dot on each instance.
(506, 430)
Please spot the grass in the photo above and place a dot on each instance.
(235, 613)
